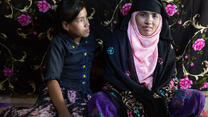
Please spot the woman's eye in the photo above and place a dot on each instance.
(142, 14)
(155, 15)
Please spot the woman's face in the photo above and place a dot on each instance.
(80, 26)
(147, 22)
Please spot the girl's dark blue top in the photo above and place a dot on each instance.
(70, 63)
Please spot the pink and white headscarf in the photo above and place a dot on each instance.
(145, 51)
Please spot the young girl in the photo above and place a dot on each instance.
(140, 70)
(69, 61)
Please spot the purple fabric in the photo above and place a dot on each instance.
(101, 106)
(187, 103)
(4, 105)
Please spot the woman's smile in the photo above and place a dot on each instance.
(147, 28)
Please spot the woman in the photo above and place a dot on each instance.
(70, 56)
(140, 70)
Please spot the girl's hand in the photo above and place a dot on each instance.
(57, 98)
(66, 114)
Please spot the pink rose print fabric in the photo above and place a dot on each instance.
(186, 83)
(43, 6)
(171, 9)
(8, 72)
(205, 85)
(125, 9)
(199, 44)
(24, 19)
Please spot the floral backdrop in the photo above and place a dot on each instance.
(25, 27)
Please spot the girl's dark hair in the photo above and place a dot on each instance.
(67, 10)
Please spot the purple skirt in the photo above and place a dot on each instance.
(185, 103)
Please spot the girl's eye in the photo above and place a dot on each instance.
(80, 20)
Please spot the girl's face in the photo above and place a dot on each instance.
(79, 27)
(147, 22)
